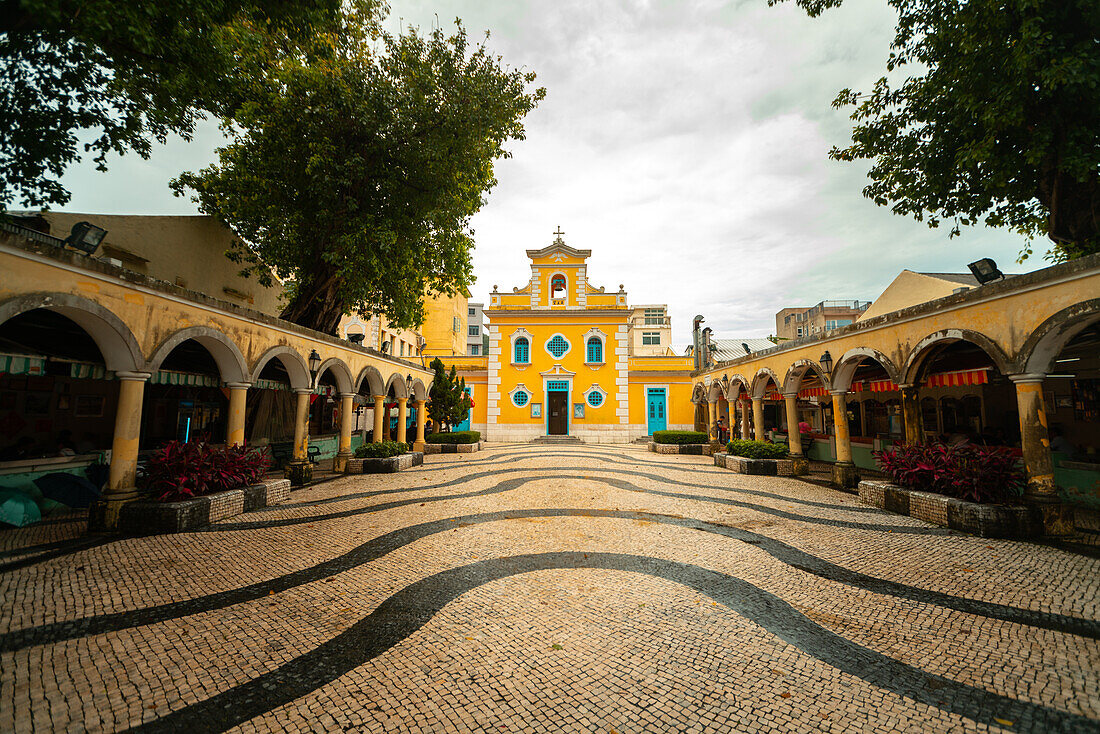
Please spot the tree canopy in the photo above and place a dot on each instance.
(449, 402)
(997, 119)
(356, 174)
(131, 71)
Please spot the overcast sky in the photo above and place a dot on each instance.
(684, 143)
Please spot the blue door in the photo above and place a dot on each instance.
(465, 425)
(655, 400)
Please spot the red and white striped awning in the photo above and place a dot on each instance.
(959, 378)
(883, 386)
(813, 392)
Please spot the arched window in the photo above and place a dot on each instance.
(594, 354)
(557, 286)
(522, 351)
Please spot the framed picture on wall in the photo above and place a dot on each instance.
(37, 403)
(578, 410)
(88, 406)
(536, 410)
(1063, 401)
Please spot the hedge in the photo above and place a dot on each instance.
(680, 437)
(756, 449)
(382, 450)
(455, 437)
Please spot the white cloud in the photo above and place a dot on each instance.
(685, 143)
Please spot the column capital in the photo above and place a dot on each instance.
(838, 392)
(790, 395)
(1027, 377)
(238, 385)
(907, 385)
(401, 401)
(421, 402)
(134, 376)
(754, 398)
(303, 391)
(343, 395)
(379, 397)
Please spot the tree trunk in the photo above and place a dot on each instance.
(1074, 210)
(317, 305)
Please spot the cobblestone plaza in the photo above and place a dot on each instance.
(536, 588)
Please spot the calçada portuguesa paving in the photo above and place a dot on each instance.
(545, 589)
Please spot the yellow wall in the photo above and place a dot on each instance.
(445, 322)
(161, 240)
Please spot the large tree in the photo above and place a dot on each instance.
(356, 175)
(996, 119)
(125, 72)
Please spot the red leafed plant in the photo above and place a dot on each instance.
(968, 472)
(180, 471)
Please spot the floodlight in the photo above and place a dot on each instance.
(985, 271)
(85, 237)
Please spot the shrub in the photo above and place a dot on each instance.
(968, 472)
(756, 449)
(455, 437)
(680, 437)
(181, 471)
(382, 450)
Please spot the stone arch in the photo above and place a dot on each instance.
(845, 369)
(1048, 340)
(714, 391)
(738, 384)
(230, 361)
(792, 381)
(340, 372)
(420, 390)
(296, 367)
(397, 382)
(373, 378)
(760, 381)
(920, 353)
(117, 344)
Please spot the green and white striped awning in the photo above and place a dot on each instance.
(270, 385)
(21, 364)
(88, 371)
(189, 379)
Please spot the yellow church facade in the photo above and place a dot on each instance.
(559, 362)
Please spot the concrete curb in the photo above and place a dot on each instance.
(986, 521)
(389, 465)
(762, 467)
(687, 449)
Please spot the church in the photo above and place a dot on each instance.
(569, 359)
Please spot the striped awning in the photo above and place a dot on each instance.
(89, 371)
(18, 364)
(813, 392)
(189, 379)
(960, 378)
(883, 386)
(270, 385)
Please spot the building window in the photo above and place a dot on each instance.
(831, 324)
(557, 286)
(522, 353)
(475, 350)
(651, 337)
(800, 331)
(595, 350)
(557, 346)
(402, 348)
(654, 316)
(595, 399)
(475, 330)
(470, 311)
(520, 398)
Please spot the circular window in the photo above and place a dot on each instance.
(520, 398)
(557, 346)
(595, 399)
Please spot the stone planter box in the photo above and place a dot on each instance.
(452, 448)
(986, 521)
(388, 465)
(147, 517)
(689, 449)
(762, 467)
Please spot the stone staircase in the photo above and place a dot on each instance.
(557, 440)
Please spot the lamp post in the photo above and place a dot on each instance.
(827, 362)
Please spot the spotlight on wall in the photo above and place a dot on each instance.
(85, 237)
(985, 271)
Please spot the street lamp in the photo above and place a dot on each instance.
(314, 362)
(408, 384)
(827, 362)
(725, 383)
